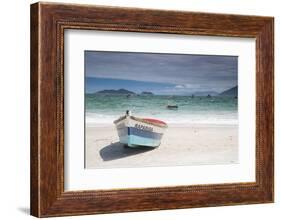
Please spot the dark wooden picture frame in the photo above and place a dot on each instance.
(48, 22)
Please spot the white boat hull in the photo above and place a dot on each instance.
(135, 133)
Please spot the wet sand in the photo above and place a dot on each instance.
(181, 145)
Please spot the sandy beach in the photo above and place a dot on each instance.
(181, 145)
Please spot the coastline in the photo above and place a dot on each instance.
(182, 144)
(170, 125)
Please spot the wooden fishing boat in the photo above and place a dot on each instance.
(135, 132)
(173, 107)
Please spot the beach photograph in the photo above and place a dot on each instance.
(160, 109)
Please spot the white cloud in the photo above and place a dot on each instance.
(179, 87)
(187, 86)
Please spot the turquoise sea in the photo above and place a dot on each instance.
(101, 108)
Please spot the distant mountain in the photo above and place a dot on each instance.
(116, 92)
(205, 93)
(230, 92)
(147, 93)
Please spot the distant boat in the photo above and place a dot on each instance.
(173, 107)
(135, 132)
(147, 93)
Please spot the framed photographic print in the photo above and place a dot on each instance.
(138, 109)
(155, 100)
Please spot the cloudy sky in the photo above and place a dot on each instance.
(159, 73)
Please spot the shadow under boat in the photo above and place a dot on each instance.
(117, 150)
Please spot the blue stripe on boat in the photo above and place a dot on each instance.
(138, 132)
(136, 137)
(144, 133)
(135, 141)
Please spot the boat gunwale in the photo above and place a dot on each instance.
(141, 120)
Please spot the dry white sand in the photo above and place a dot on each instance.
(181, 145)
